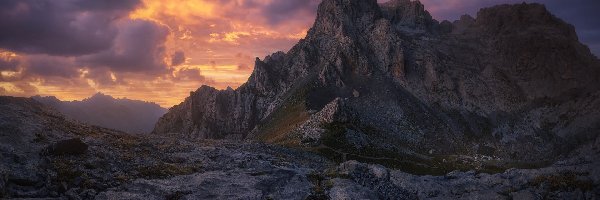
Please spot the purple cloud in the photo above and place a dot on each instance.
(66, 28)
(50, 66)
(139, 47)
(9, 64)
(280, 11)
(178, 58)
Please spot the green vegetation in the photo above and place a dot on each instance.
(336, 147)
(282, 122)
(285, 119)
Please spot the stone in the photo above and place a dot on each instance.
(68, 147)
(523, 194)
(347, 189)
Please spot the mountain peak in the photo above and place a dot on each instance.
(408, 15)
(350, 17)
(335, 16)
(100, 97)
(533, 17)
(400, 3)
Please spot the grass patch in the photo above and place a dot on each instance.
(282, 122)
(293, 112)
(336, 147)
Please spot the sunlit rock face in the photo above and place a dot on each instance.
(511, 84)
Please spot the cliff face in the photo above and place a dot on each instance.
(375, 80)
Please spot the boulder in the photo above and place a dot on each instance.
(67, 147)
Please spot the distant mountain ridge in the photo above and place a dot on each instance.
(126, 115)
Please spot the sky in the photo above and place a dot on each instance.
(159, 51)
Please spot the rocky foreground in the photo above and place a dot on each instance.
(45, 156)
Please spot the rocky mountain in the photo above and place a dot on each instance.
(386, 83)
(103, 110)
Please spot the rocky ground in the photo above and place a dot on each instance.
(45, 156)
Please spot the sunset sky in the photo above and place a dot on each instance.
(159, 51)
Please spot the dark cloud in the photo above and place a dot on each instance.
(190, 74)
(139, 47)
(64, 27)
(50, 66)
(177, 58)
(281, 11)
(8, 64)
(107, 5)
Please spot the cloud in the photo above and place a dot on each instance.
(139, 47)
(243, 67)
(107, 5)
(50, 66)
(277, 12)
(8, 65)
(25, 88)
(66, 28)
(178, 58)
(8, 61)
(190, 74)
(103, 77)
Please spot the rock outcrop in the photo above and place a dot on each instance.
(67, 147)
(513, 86)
